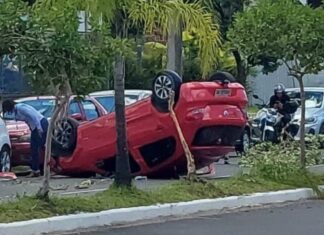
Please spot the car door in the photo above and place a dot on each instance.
(90, 110)
(75, 111)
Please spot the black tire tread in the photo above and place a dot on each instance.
(163, 105)
(58, 150)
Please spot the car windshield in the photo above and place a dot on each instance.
(314, 99)
(108, 102)
(44, 106)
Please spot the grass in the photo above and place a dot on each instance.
(27, 208)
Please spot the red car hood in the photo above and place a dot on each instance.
(17, 127)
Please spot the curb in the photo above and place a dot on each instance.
(137, 214)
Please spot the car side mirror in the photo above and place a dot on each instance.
(77, 116)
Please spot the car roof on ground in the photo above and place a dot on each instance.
(319, 89)
(127, 92)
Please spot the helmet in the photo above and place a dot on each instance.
(279, 88)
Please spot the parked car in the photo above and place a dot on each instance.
(82, 110)
(314, 122)
(5, 148)
(210, 115)
(107, 98)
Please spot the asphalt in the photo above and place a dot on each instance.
(65, 186)
(294, 219)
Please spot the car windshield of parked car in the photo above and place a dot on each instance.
(108, 102)
(314, 99)
(44, 106)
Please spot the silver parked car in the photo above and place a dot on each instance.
(314, 122)
(107, 98)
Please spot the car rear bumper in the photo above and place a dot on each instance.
(20, 154)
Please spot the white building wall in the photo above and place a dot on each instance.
(263, 84)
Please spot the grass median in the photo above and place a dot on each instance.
(26, 208)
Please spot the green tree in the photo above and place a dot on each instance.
(55, 55)
(288, 31)
(152, 14)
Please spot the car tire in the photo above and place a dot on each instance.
(163, 83)
(221, 76)
(5, 161)
(65, 137)
(245, 143)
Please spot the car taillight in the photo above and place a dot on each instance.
(196, 114)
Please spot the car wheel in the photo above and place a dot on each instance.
(245, 144)
(5, 161)
(246, 141)
(163, 84)
(65, 137)
(221, 76)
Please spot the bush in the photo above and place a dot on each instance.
(281, 162)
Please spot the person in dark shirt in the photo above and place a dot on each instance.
(279, 101)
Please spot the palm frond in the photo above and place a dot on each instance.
(193, 16)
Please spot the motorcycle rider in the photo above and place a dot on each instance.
(278, 101)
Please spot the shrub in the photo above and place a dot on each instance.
(281, 162)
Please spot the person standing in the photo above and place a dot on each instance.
(38, 125)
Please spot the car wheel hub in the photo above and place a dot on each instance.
(63, 134)
(163, 87)
(5, 161)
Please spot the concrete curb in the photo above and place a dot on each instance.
(137, 214)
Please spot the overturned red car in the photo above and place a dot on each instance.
(81, 110)
(211, 115)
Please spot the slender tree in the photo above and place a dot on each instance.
(54, 55)
(288, 31)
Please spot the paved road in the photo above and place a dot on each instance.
(28, 186)
(294, 219)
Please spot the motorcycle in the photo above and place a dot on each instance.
(267, 124)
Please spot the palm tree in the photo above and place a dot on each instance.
(170, 17)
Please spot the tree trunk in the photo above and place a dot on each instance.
(45, 189)
(123, 175)
(59, 112)
(241, 73)
(302, 123)
(175, 49)
(139, 52)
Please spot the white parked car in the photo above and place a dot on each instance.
(107, 98)
(314, 122)
(5, 146)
